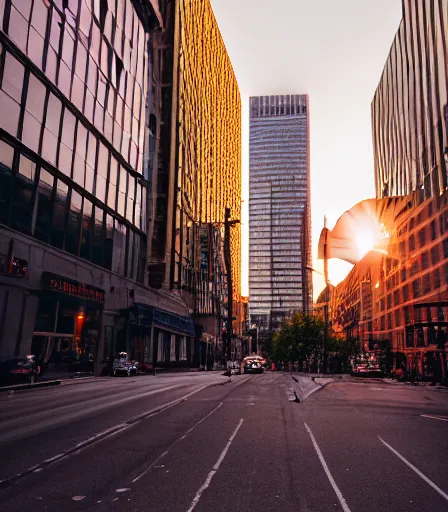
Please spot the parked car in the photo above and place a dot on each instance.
(123, 366)
(19, 370)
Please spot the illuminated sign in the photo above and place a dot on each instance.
(73, 288)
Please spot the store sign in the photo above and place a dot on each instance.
(73, 288)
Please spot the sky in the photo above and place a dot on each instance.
(335, 52)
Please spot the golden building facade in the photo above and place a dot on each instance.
(208, 157)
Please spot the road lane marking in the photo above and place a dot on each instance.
(215, 469)
(419, 473)
(440, 418)
(102, 435)
(177, 441)
(341, 498)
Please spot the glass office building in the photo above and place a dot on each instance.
(74, 80)
(279, 209)
(409, 110)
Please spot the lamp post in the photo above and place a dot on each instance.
(325, 308)
(228, 261)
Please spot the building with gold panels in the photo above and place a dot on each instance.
(197, 174)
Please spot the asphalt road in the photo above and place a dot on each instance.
(351, 446)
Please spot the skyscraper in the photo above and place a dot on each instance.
(409, 109)
(279, 209)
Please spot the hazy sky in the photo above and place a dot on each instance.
(335, 52)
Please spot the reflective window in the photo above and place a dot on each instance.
(86, 230)
(72, 232)
(59, 215)
(9, 120)
(31, 132)
(22, 206)
(97, 237)
(44, 205)
(6, 160)
(39, 16)
(109, 242)
(18, 28)
(35, 99)
(13, 75)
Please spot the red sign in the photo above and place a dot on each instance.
(73, 288)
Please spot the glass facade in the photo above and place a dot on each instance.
(209, 140)
(73, 87)
(279, 237)
(408, 122)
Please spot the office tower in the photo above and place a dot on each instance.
(279, 209)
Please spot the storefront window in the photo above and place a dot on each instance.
(22, 206)
(44, 206)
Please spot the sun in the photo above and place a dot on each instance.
(365, 242)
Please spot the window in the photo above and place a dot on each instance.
(22, 207)
(109, 242)
(13, 75)
(426, 282)
(44, 206)
(9, 120)
(97, 239)
(59, 215)
(6, 160)
(414, 268)
(416, 287)
(405, 293)
(121, 207)
(412, 243)
(112, 192)
(403, 274)
(421, 238)
(86, 230)
(425, 260)
(18, 28)
(445, 248)
(72, 233)
(433, 230)
(435, 255)
(119, 248)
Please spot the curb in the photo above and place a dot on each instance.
(37, 385)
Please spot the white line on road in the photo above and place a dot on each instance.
(419, 473)
(215, 469)
(175, 442)
(433, 417)
(341, 498)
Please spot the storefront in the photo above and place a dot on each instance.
(68, 325)
(173, 340)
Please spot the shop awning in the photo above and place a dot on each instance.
(170, 321)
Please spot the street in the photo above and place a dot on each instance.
(195, 443)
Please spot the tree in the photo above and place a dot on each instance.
(300, 337)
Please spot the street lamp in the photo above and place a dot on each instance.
(325, 304)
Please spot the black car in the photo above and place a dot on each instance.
(18, 370)
(253, 366)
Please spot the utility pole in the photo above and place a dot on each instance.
(327, 301)
(228, 261)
